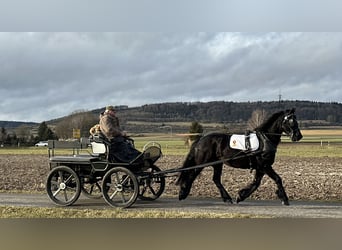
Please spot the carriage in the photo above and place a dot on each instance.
(121, 183)
(96, 175)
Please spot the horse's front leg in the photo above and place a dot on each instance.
(247, 191)
(187, 181)
(281, 190)
(217, 180)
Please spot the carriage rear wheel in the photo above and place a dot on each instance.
(152, 187)
(63, 186)
(120, 187)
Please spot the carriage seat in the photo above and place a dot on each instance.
(98, 148)
(244, 142)
(151, 151)
(99, 145)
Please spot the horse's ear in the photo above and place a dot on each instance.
(291, 111)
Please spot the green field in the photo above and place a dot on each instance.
(315, 143)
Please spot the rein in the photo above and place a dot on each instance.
(177, 170)
(281, 134)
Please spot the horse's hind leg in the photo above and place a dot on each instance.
(217, 180)
(247, 191)
(281, 190)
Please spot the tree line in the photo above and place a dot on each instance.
(222, 112)
(226, 112)
(22, 135)
(63, 129)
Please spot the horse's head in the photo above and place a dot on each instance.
(290, 125)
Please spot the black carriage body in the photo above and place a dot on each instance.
(97, 162)
(95, 176)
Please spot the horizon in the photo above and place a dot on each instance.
(282, 100)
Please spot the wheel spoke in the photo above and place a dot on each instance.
(65, 195)
(123, 197)
(57, 192)
(143, 190)
(117, 178)
(73, 189)
(98, 186)
(91, 189)
(55, 183)
(60, 174)
(112, 196)
(69, 178)
(152, 190)
(124, 181)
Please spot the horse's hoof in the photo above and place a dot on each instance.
(230, 201)
(238, 199)
(285, 203)
(183, 194)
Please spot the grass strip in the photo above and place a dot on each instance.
(38, 212)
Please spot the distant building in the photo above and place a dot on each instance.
(121, 107)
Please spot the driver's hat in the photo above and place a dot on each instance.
(110, 108)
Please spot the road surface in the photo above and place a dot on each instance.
(297, 209)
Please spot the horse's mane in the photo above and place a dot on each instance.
(268, 123)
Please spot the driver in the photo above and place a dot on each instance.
(120, 147)
(109, 124)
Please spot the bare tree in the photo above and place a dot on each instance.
(81, 120)
(3, 135)
(258, 117)
(23, 132)
(63, 129)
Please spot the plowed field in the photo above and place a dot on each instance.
(303, 178)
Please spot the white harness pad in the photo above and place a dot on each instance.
(239, 142)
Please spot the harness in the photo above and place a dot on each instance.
(247, 142)
(265, 149)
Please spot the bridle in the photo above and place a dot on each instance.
(289, 124)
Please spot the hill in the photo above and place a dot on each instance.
(15, 124)
(224, 113)
(219, 112)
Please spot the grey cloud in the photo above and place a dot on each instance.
(53, 74)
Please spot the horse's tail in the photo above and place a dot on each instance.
(189, 161)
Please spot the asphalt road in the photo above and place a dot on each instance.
(297, 209)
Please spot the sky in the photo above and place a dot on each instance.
(61, 56)
(47, 75)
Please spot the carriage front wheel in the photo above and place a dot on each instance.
(91, 189)
(63, 186)
(153, 186)
(120, 187)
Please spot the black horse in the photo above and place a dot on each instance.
(214, 147)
